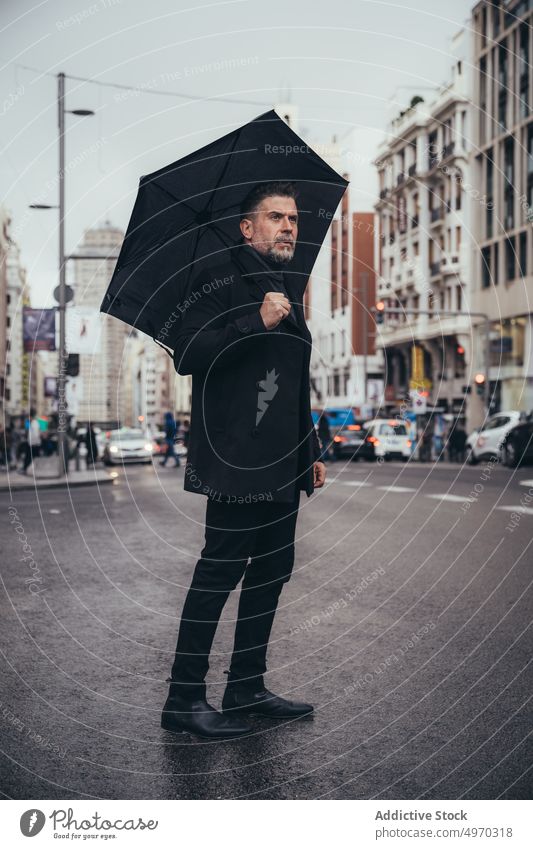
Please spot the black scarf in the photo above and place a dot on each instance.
(271, 269)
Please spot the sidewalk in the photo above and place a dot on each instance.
(42, 475)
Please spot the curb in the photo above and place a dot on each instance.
(18, 487)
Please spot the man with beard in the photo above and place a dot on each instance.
(252, 449)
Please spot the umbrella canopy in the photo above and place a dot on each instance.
(186, 215)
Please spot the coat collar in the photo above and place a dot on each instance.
(257, 273)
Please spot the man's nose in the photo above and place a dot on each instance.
(287, 224)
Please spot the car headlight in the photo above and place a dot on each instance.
(114, 449)
(148, 446)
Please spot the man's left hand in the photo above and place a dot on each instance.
(319, 470)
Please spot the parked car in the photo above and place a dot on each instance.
(517, 447)
(338, 417)
(348, 441)
(128, 445)
(487, 440)
(386, 438)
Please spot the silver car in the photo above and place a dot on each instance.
(128, 445)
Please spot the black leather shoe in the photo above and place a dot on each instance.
(264, 703)
(199, 717)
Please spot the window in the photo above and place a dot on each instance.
(482, 97)
(510, 264)
(459, 297)
(507, 343)
(523, 70)
(392, 430)
(522, 253)
(485, 268)
(508, 191)
(530, 171)
(495, 21)
(502, 78)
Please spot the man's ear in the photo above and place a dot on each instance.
(247, 228)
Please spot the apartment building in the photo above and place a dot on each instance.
(424, 256)
(101, 371)
(502, 164)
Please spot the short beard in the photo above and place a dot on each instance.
(279, 258)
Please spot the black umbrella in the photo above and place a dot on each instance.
(187, 215)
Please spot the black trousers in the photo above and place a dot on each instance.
(264, 532)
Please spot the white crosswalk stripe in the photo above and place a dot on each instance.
(397, 488)
(517, 508)
(447, 496)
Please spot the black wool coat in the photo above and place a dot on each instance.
(251, 433)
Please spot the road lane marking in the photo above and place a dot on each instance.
(446, 496)
(519, 508)
(352, 483)
(526, 483)
(397, 488)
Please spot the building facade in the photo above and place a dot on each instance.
(502, 285)
(17, 394)
(101, 372)
(424, 256)
(4, 250)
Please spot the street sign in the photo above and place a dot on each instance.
(69, 294)
(419, 401)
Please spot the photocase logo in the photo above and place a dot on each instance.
(267, 390)
(32, 822)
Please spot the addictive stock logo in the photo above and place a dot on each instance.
(32, 822)
(267, 390)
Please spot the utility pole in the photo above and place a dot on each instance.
(62, 419)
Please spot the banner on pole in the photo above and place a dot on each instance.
(38, 329)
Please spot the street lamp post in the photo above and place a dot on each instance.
(62, 299)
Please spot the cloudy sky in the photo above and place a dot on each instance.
(204, 68)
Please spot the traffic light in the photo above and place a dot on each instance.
(479, 380)
(73, 365)
(379, 312)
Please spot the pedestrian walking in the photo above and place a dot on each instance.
(33, 442)
(324, 434)
(91, 443)
(171, 428)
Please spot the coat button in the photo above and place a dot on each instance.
(245, 328)
(255, 432)
(258, 384)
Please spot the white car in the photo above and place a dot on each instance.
(487, 440)
(127, 445)
(386, 438)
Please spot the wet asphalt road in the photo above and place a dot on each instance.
(406, 622)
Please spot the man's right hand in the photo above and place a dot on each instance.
(274, 309)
